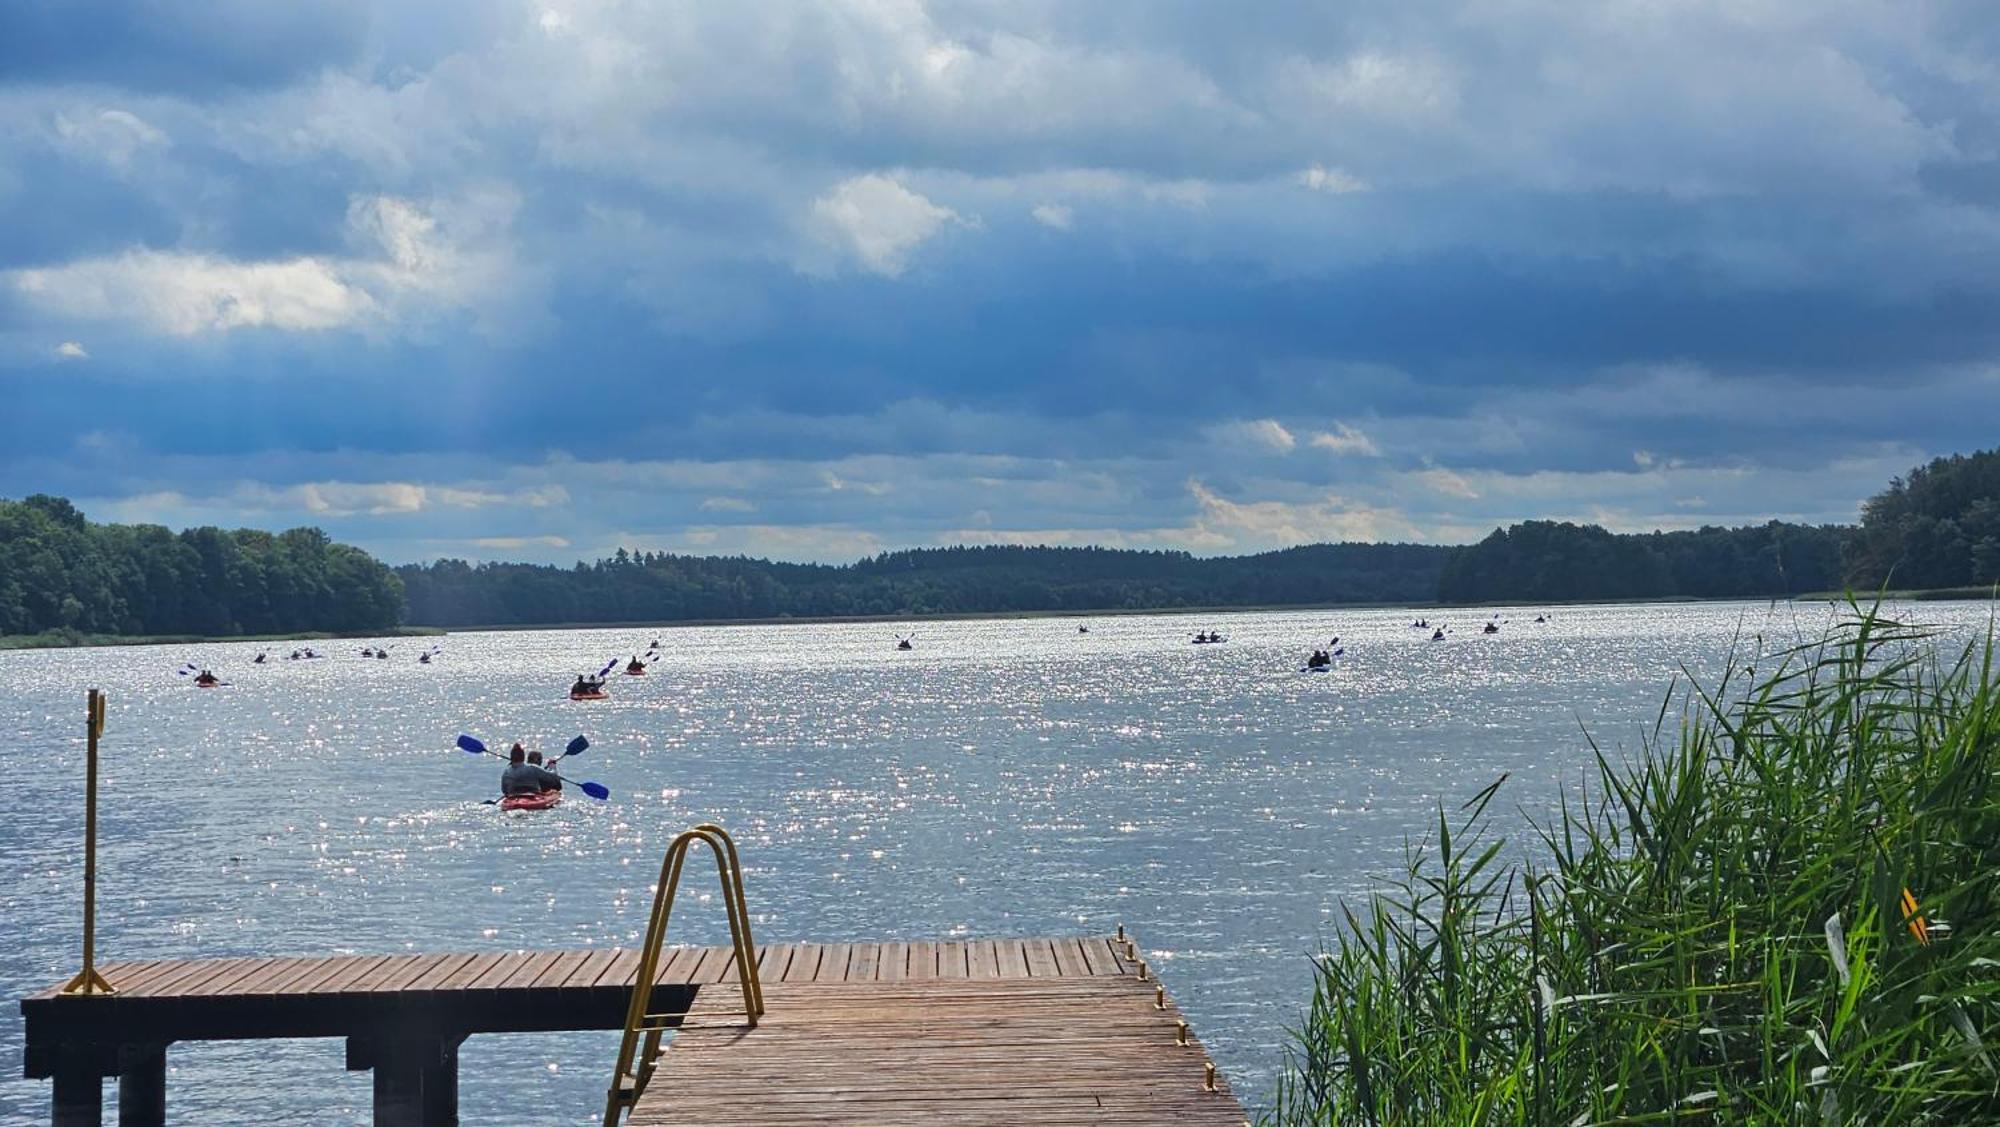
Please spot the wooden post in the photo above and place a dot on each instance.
(416, 1078)
(142, 1086)
(88, 981)
(79, 1093)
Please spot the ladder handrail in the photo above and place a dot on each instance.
(636, 1055)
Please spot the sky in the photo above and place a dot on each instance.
(816, 279)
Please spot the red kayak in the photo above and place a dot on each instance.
(540, 801)
(598, 695)
(632, 671)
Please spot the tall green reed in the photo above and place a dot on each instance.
(1713, 932)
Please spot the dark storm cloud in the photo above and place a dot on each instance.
(824, 277)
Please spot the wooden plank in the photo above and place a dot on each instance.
(893, 964)
(772, 961)
(537, 964)
(982, 959)
(833, 963)
(952, 959)
(431, 968)
(923, 962)
(805, 964)
(862, 959)
(1096, 956)
(274, 971)
(595, 963)
(1041, 958)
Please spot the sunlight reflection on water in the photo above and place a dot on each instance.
(1005, 778)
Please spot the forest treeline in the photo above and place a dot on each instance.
(1001, 579)
(60, 572)
(1938, 527)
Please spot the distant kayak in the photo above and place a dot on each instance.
(598, 694)
(639, 671)
(540, 801)
(1315, 668)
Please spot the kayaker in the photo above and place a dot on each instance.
(206, 679)
(582, 685)
(550, 780)
(524, 778)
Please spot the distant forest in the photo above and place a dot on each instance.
(61, 572)
(660, 587)
(1939, 527)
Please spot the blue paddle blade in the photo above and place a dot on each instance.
(469, 744)
(596, 790)
(576, 746)
(607, 667)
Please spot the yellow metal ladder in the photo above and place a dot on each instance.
(640, 1049)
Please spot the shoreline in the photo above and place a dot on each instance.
(79, 641)
(47, 641)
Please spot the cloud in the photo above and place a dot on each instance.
(448, 245)
(350, 498)
(71, 350)
(186, 294)
(727, 505)
(116, 136)
(1332, 181)
(520, 542)
(879, 221)
(1058, 216)
(1344, 439)
(181, 293)
(1263, 434)
(1254, 525)
(1440, 480)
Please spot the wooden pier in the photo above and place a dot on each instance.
(1042, 1031)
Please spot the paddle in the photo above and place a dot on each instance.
(598, 791)
(575, 747)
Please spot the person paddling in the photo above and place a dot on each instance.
(524, 778)
(206, 679)
(550, 780)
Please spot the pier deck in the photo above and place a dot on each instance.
(1062, 1030)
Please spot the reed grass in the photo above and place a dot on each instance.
(1715, 931)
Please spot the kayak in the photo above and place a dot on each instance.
(1315, 668)
(598, 695)
(639, 672)
(540, 801)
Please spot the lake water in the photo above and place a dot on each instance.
(1006, 777)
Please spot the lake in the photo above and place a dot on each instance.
(1004, 777)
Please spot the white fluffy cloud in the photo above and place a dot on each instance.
(879, 221)
(184, 294)
(404, 264)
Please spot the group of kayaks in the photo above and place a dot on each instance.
(588, 687)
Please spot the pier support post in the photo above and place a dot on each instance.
(416, 1078)
(78, 1100)
(142, 1086)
